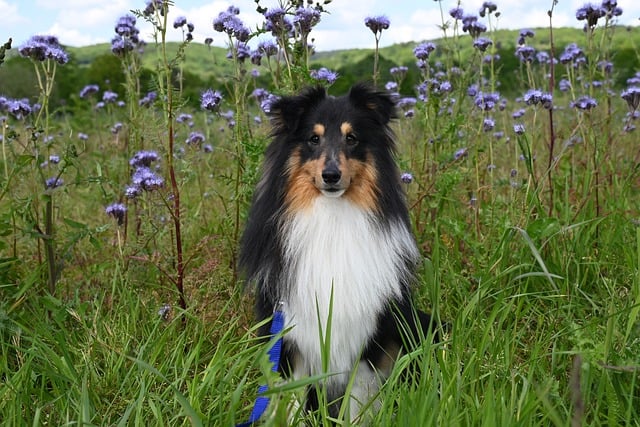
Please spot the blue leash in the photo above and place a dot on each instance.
(277, 325)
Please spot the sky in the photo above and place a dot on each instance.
(86, 22)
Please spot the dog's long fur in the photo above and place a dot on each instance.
(329, 226)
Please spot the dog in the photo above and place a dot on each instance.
(328, 238)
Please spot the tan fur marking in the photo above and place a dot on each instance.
(318, 129)
(301, 190)
(362, 190)
(346, 128)
(388, 359)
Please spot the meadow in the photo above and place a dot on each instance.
(120, 214)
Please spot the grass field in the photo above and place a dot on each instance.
(527, 211)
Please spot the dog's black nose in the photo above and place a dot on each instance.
(331, 174)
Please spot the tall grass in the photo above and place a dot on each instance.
(526, 211)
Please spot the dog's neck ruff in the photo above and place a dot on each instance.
(337, 247)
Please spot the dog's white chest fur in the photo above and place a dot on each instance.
(337, 246)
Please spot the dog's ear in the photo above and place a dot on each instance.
(363, 96)
(286, 112)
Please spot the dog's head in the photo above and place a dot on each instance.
(336, 145)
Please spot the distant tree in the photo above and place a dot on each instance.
(106, 71)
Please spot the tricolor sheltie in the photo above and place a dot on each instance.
(328, 237)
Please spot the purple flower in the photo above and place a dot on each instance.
(564, 85)
(144, 159)
(116, 128)
(268, 47)
(207, 148)
(180, 22)
(377, 23)
(127, 35)
(305, 19)
(471, 25)
(152, 6)
(228, 22)
(109, 97)
(590, 13)
(266, 103)
(132, 191)
(277, 22)
(518, 128)
(19, 108)
(525, 53)
(632, 96)
(486, 101)
(399, 72)
(571, 53)
(146, 179)
(405, 103)
(456, 13)
(584, 103)
(460, 153)
(488, 124)
(118, 211)
(89, 90)
(487, 7)
(208, 41)
(41, 48)
(242, 51)
(210, 100)
(324, 74)
(423, 50)
(482, 43)
(195, 138)
(83, 136)
(184, 117)
(55, 159)
(406, 178)
(391, 86)
(148, 99)
(53, 182)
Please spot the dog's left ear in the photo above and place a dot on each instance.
(363, 96)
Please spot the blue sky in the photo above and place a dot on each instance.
(84, 22)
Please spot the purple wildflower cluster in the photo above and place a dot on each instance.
(127, 36)
(41, 48)
(117, 211)
(143, 177)
(377, 23)
(535, 97)
(18, 108)
(229, 22)
(210, 100)
(181, 22)
(591, 13)
(89, 90)
(324, 75)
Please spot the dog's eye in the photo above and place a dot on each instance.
(314, 140)
(351, 139)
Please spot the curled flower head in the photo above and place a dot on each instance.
(277, 22)
(146, 179)
(525, 53)
(406, 178)
(471, 25)
(305, 19)
(482, 43)
(89, 90)
(324, 74)
(518, 128)
(41, 48)
(460, 153)
(18, 108)
(117, 211)
(210, 100)
(268, 47)
(488, 7)
(632, 96)
(377, 23)
(456, 13)
(53, 182)
(423, 50)
(584, 103)
(144, 159)
(180, 21)
(195, 138)
(591, 13)
(486, 101)
(228, 22)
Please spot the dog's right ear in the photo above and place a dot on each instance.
(286, 112)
